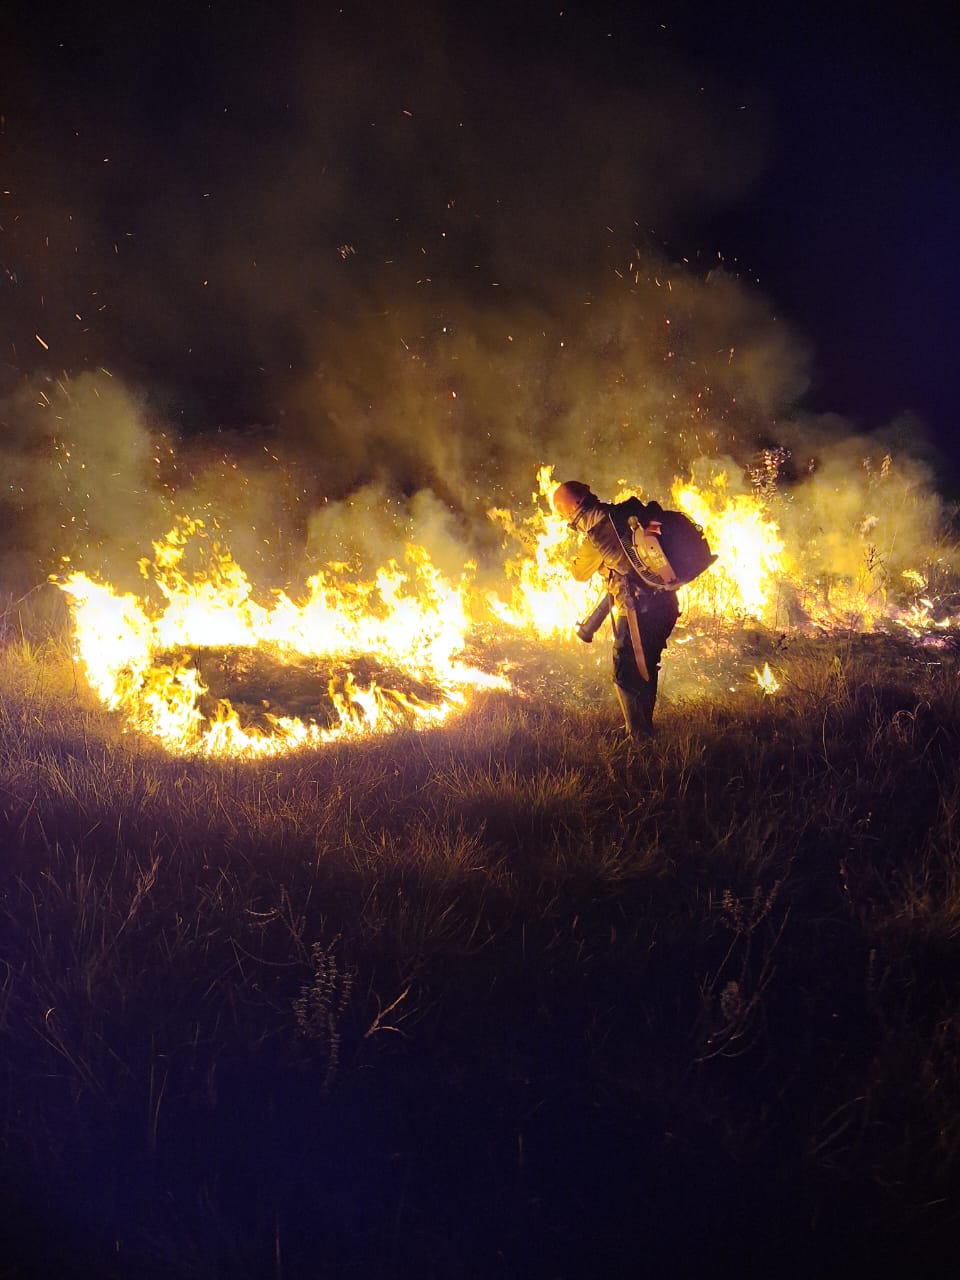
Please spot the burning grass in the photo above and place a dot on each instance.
(208, 665)
(505, 993)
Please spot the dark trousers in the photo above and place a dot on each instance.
(656, 616)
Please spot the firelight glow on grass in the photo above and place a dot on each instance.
(409, 624)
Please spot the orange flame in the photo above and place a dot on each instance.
(765, 678)
(742, 583)
(408, 618)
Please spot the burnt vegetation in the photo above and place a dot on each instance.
(509, 997)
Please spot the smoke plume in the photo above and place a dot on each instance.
(342, 281)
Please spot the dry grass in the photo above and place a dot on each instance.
(504, 998)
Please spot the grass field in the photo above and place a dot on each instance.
(505, 998)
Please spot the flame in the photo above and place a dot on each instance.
(743, 582)
(760, 575)
(748, 546)
(410, 629)
(408, 618)
(544, 599)
(767, 681)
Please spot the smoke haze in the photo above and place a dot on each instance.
(334, 281)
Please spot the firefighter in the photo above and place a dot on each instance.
(645, 609)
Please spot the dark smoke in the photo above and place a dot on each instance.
(361, 272)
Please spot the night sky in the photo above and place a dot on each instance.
(219, 203)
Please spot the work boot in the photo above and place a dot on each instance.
(637, 715)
